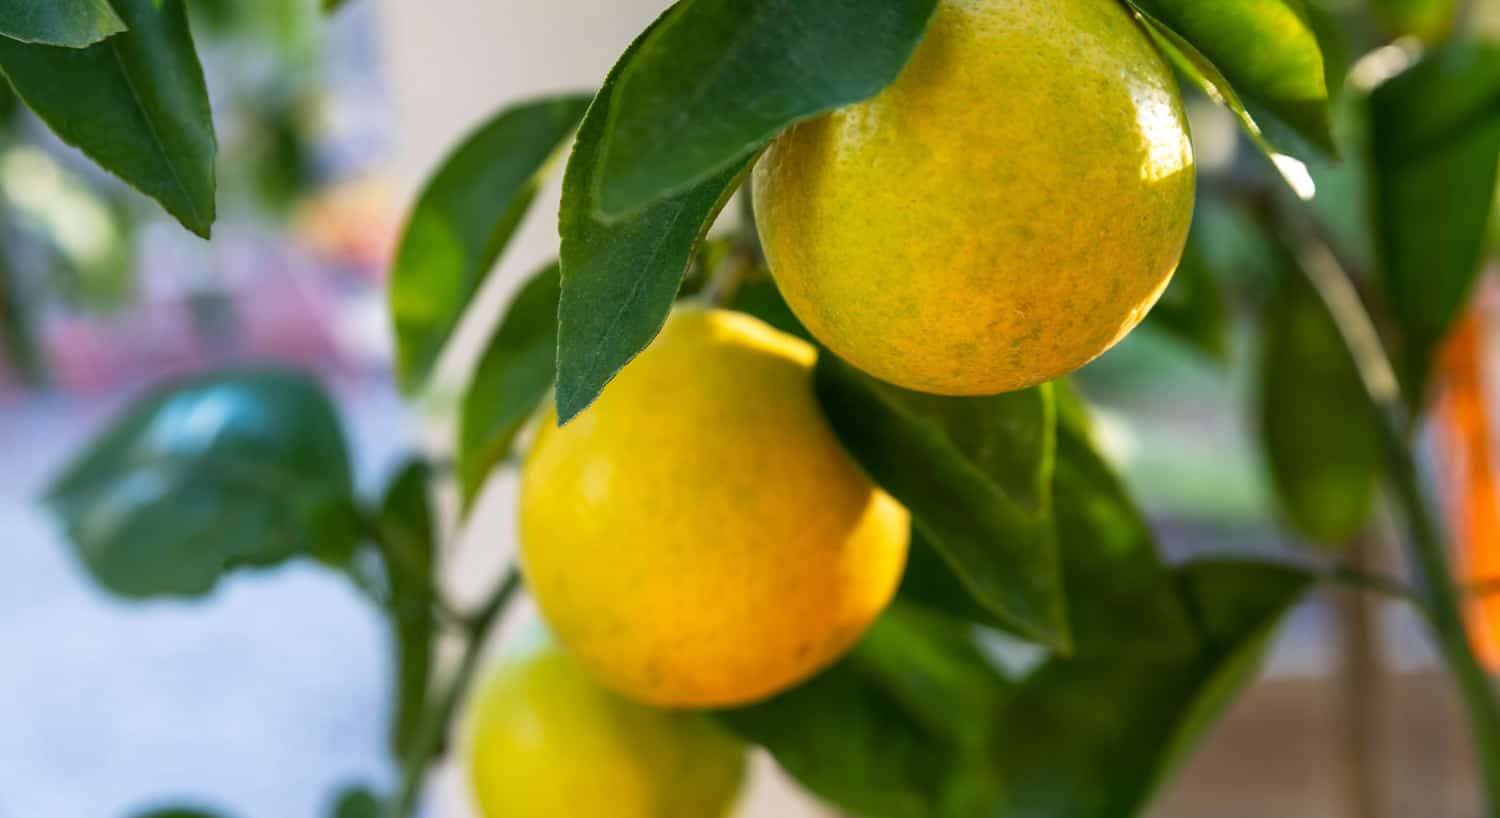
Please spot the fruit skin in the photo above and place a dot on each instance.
(546, 741)
(999, 216)
(697, 537)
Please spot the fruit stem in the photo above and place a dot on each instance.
(1439, 593)
(431, 735)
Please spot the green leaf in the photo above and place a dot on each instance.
(619, 278)
(462, 222)
(976, 474)
(717, 79)
(19, 346)
(135, 103)
(1095, 736)
(177, 812)
(894, 730)
(1428, 20)
(1192, 308)
(1265, 55)
(1322, 443)
(207, 475)
(1435, 138)
(918, 722)
(331, 6)
(409, 548)
(67, 23)
(356, 802)
(512, 379)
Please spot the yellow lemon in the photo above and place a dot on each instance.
(697, 538)
(545, 741)
(999, 216)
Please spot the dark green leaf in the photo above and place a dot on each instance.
(619, 278)
(331, 6)
(135, 103)
(976, 474)
(894, 730)
(1435, 138)
(717, 79)
(18, 341)
(462, 222)
(67, 23)
(210, 474)
(1096, 735)
(408, 546)
(1322, 442)
(356, 802)
(1265, 54)
(512, 378)
(1192, 309)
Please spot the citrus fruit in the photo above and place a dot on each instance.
(545, 741)
(697, 537)
(1003, 213)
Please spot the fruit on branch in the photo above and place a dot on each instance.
(546, 741)
(1002, 214)
(697, 537)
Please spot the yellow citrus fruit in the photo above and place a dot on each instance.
(697, 538)
(999, 216)
(545, 741)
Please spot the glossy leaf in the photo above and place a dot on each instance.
(1266, 55)
(1435, 138)
(1320, 437)
(205, 476)
(1158, 654)
(1096, 735)
(409, 548)
(894, 730)
(67, 23)
(462, 222)
(717, 79)
(1192, 308)
(512, 379)
(976, 475)
(619, 278)
(135, 103)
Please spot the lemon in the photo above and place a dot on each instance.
(1003, 213)
(697, 537)
(546, 742)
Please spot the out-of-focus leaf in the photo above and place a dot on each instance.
(408, 546)
(177, 812)
(511, 380)
(1192, 308)
(66, 23)
(1428, 20)
(1322, 444)
(717, 79)
(619, 278)
(331, 6)
(207, 475)
(18, 343)
(462, 222)
(356, 802)
(1435, 138)
(1265, 55)
(761, 299)
(976, 474)
(135, 103)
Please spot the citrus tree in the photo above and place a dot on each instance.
(812, 483)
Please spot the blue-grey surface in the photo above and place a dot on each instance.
(262, 699)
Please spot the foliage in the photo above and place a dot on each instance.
(1026, 544)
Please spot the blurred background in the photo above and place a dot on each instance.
(268, 696)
